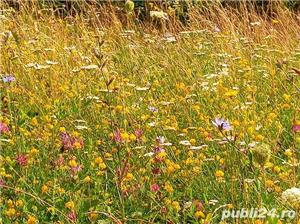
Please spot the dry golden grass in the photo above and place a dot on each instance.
(106, 120)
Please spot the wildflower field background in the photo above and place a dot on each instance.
(106, 119)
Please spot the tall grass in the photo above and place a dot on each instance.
(110, 119)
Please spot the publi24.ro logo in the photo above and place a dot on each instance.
(257, 213)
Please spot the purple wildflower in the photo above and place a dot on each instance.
(222, 124)
(158, 149)
(153, 109)
(76, 169)
(117, 136)
(160, 139)
(8, 78)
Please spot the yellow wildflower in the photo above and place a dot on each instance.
(19, 203)
(45, 189)
(219, 174)
(87, 179)
(10, 212)
(70, 205)
(175, 205)
(199, 214)
(72, 163)
(168, 187)
(93, 216)
(31, 219)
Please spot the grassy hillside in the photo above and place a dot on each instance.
(104, 120)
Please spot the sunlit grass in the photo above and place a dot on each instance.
(116, 124)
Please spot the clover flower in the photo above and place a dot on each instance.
(117, 136)
(296, 128)
(3, 128)
(138, 134)
(72, 216)
(291, 197)
(154, 187)
(59, 161)
(74, 170)
(22, 160)
(70, 142)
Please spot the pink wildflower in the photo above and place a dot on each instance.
(138, 134)
(2, 183)
(3, 128)
(72, 216)
(60, 161)
(22, 160)
(296, 128)
(76, 169)
(68, 141)
(117, 136)
(154, 187)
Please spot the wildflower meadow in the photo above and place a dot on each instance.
(112, 116)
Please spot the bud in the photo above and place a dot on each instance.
(261, 153)
(129, 5)
(159, 15)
